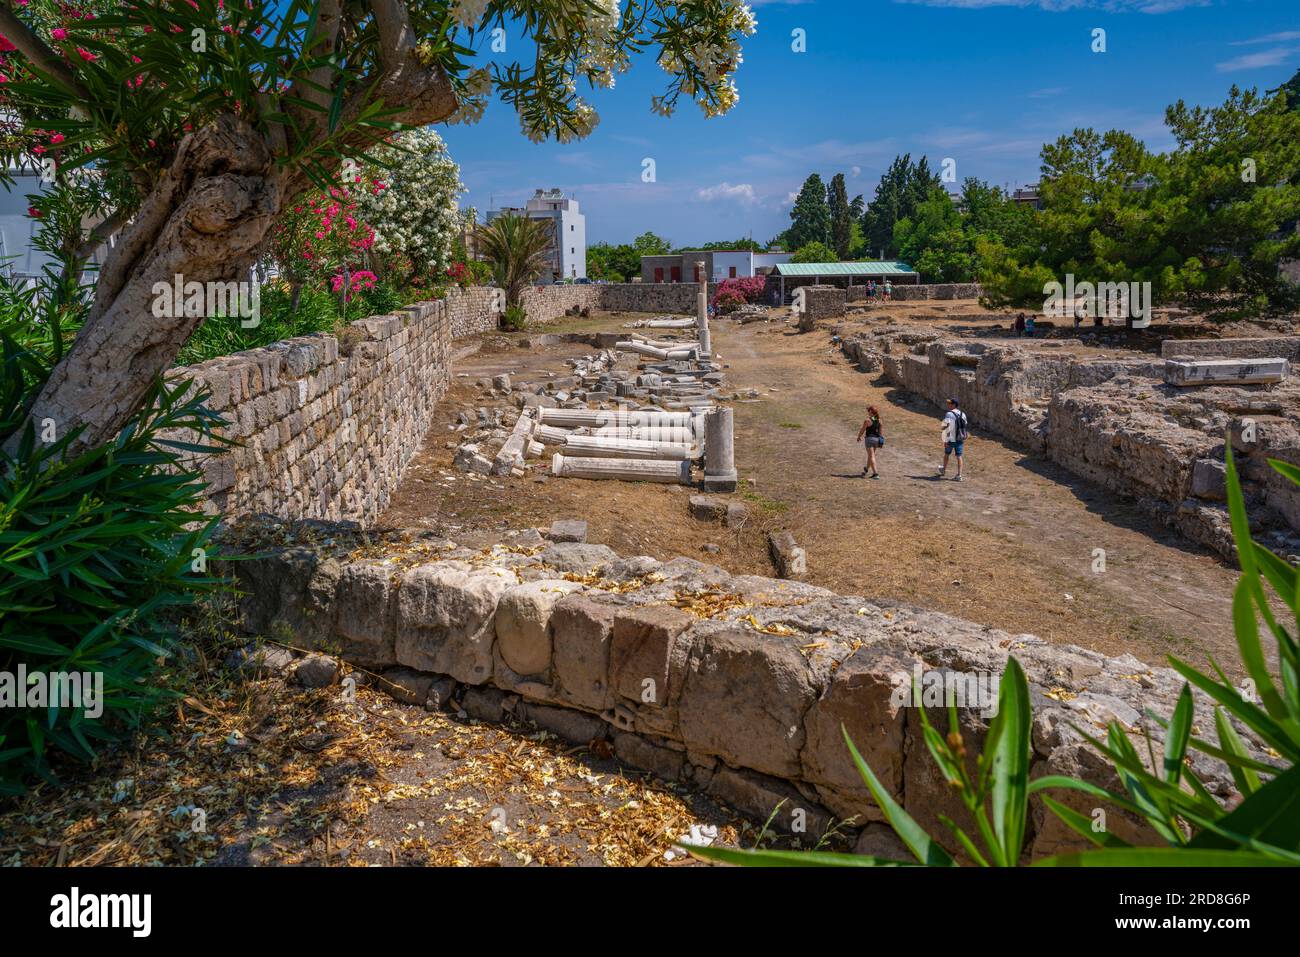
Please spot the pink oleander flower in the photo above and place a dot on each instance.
(59, 33)
(87, 55)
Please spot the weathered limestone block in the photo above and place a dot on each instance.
(791, 561)
(663, 762)
(288, 593)
(572, 726)
(708, 508)
(523, 623)
(1210, 479)
(567, 530)
(577, 557)
(745, 697)
(759, 795)
(365, 621)
(1193, 372)
(860, 697)
(446, 619)
(582, 628)
(641, 652)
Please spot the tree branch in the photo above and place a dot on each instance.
(39, 55)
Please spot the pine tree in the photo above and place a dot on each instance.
(810, 219)
(837, 200)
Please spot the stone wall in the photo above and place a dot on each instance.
(823, 302)
(663, 297)
(326, 424)
(1270, 347)
(546, 304)
(908, 293)
(1111, 420)
(736, 685)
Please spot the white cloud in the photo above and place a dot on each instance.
(1286, 36)
(856, 171)
(742, 192)
(1255, 61)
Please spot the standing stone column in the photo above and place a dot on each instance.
(719, 451)
(702, 312)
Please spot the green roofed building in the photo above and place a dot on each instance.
(843, 274)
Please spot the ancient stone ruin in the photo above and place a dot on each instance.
(1153, 428)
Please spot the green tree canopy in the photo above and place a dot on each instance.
(810, 217)
(814, 253)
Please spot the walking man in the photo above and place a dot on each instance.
(955, 430)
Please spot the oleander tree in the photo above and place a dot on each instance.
(410, 197)
(219, 113)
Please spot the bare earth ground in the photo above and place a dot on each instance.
(289, 777)
(1012, 546)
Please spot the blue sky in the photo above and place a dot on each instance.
(985, 82)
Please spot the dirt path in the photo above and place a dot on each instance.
(1012, 546)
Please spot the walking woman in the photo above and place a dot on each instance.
(874, 439)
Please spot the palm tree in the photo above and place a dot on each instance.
(518, 249)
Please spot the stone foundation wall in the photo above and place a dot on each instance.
(823, 302)
(326, 424)
(1271, 347)
(737, 685)
(662, 297)
(1112, 421)
(903, 293)
(546, 304)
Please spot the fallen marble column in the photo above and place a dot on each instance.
(629, 470)
(535, 449)
(551, 435)
(608, 447)
(719, 451)
(661, 324)
(651, 433)
(640, 348)
(600, 418)
(1224, 371)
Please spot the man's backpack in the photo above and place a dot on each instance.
(962, 431)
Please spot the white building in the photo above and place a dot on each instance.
(569, 249)
(19, 259)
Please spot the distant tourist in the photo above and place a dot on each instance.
(874, 439)
(1029, 326)
(1079, 313)
(871, 289)
(955, 428)
(889, 290)
(1020, 325)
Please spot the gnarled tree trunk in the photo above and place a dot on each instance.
(205, 221)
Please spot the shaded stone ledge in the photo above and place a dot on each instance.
(735, 684)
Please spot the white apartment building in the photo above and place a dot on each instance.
(569, 250)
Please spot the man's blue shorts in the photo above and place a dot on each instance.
(950, 447)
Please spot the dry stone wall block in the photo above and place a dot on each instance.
(523, 623)
(860, 697)
(582, 629)
(366, 615)
(745, 697)
(446, 620)
(641, 652)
